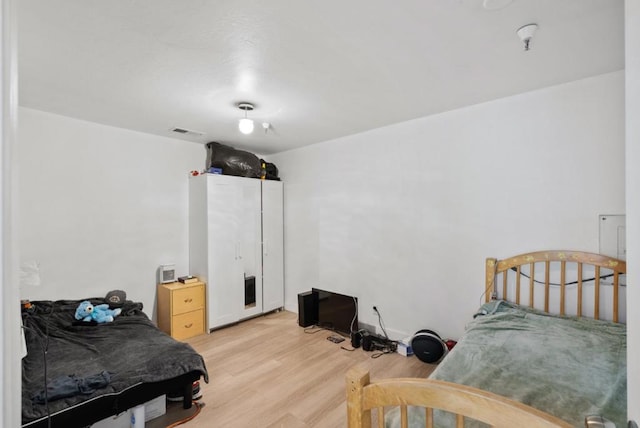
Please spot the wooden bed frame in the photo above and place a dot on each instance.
(463, 401)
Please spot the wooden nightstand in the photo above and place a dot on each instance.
(181, 309)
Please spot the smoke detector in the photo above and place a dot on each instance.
(526, 33)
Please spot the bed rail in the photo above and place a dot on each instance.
(559, 260)
(462, 401)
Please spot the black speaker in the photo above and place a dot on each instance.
(367, 343)
(356, 337)
(307, 309)
(428, 346)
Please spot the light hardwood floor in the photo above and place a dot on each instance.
(267, 372)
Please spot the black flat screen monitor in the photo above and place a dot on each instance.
(336, 312)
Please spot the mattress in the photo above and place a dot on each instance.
(135, 354)
(566, 366)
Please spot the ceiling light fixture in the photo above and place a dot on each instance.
(525, 33)
(245, 125)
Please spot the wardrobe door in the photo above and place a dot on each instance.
(225, 272)
(272, 245)
(249, 244)
(198, 231)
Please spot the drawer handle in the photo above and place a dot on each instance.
(189, 300)
(188, 325)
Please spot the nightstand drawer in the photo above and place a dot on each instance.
(187, 299)
(188, 325)
(181, 309)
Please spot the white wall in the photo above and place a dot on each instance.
(101, 207)
(404, 216)
(632, 60)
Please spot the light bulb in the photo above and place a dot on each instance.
(245, 125)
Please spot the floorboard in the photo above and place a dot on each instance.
(267, 372)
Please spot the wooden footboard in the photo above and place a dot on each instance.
(460, 400)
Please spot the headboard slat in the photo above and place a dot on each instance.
(563, 276)
(518, 285)
(616, 284)
(547, 269)
(579, 289)
(532, 270)
(596, 297)
(429, 417)
(504, 283)
(404, 418)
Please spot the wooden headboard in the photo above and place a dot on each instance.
(602, 266)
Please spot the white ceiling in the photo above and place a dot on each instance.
(315, 69)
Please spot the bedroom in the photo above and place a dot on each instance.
(444, 191)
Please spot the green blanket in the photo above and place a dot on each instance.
(566, 366)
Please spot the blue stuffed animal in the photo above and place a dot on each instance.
(99, 313)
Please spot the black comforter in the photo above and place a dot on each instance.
(131, 349)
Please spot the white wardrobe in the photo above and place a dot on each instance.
(236, 242)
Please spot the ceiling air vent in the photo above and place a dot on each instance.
(188, 132)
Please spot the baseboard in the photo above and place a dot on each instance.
(393, 334)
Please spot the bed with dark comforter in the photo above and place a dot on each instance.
(99, 369)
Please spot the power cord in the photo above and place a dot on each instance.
(381, 322)
(198, 406)
(317, 329)
(353, 321)
(566, 283)
(389, 346)
(494, 294)
(355, 315)
(379, 354)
